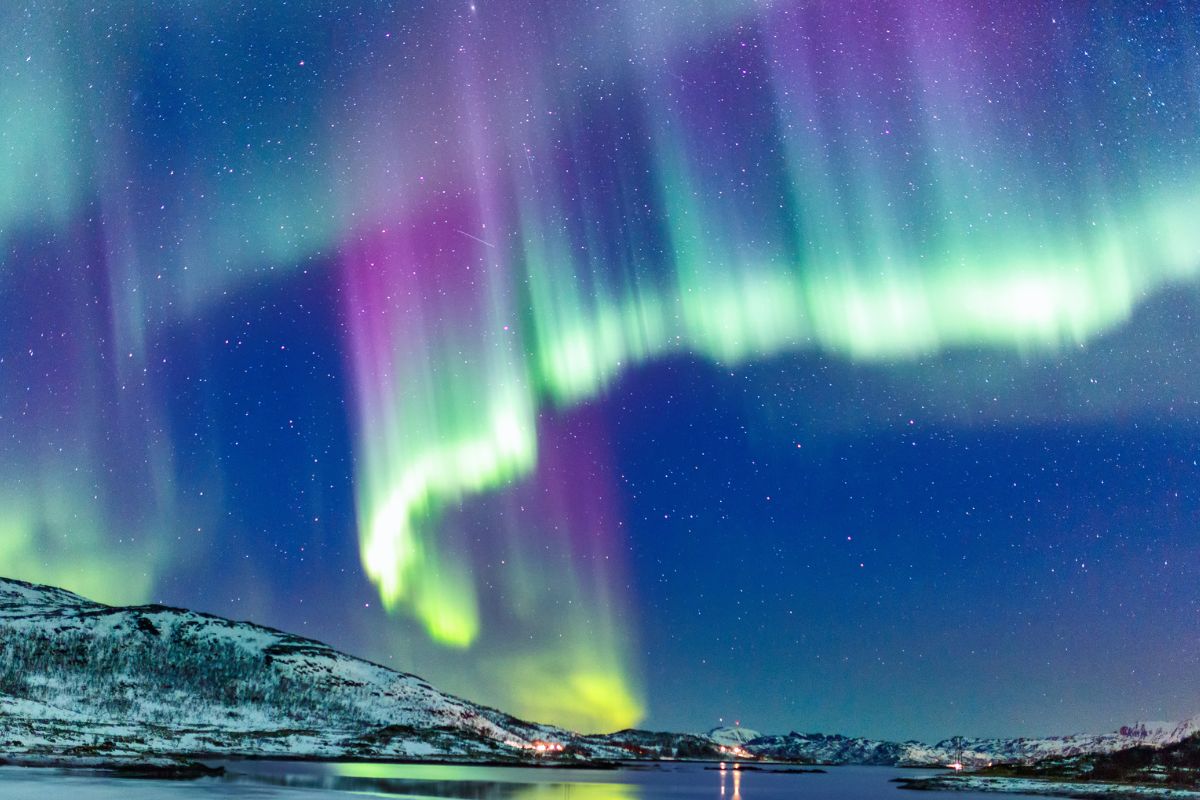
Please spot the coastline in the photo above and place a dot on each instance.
(191, 766)
(149, 767)
(1081, 790)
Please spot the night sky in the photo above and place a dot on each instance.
(823, 366)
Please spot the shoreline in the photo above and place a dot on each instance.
(1080, 790)
(192, 766)
(152, 767)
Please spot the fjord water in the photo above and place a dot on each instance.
(300, 781)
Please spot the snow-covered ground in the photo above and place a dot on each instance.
(83, 680)
(733, 736)
(1033, 786)
(835, 749)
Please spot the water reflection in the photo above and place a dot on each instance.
(309, 781)
(659, 781)
(483, 783)
(580, 791)
(737, 780)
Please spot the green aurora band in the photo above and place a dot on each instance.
(518, 225)
(758, 255)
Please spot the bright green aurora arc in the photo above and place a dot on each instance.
(515, 207)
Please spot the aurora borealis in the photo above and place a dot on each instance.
(557, 350)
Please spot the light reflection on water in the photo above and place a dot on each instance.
(262, 780)
(737, 782)
(661, 781)
(634, 782)
(441, 780)
(480, 783)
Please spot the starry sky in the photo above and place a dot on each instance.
(822, 366)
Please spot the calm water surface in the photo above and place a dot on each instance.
(297, 781)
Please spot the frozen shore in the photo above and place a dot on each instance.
(1052, 788)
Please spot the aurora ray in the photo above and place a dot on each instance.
(646, 225)
(505, 209)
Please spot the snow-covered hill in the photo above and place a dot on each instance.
(1169, 771)
(732, 736)
(819, 748)
(84, 680)
(1160, 734)
(1034, 749)
(80, 678)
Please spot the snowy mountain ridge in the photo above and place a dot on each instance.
(974, 752)
(1158, 734)
(733, 736)
(78, 677)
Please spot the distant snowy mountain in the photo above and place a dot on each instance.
(819, 748)
(1026, 750)
(1159, 734)
(732, 736)
(1172, 770)
(974, 752)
